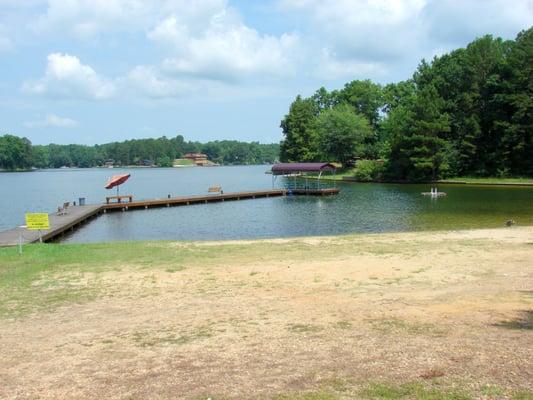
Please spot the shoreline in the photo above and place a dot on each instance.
(346, 179)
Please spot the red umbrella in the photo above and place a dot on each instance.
(116, 180)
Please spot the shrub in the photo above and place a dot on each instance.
(368, 170)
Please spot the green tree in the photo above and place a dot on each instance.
(300, 143)
(418, 152)
(517, 98)
(365, 97)
(164, 161)
(343, 134)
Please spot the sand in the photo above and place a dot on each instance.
(333, 314)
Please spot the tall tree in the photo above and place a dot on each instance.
(365, 97)
(300, 143)
(418, 152)
(517, 97)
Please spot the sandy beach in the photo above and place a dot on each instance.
(449, 313)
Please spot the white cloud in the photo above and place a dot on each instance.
(67, 77)
(450, 21)
(225, 50)
(206, 39)
(147, 81)
(89, 18)
(232, 55)
(333, 67)
(392, 34)
(363, 30)
(52, 120)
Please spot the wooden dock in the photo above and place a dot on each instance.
(59, 224)
(62, 223)
(187, 200)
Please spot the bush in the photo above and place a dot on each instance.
(164, 161)
(368, 170)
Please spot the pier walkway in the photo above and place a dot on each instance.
(61, 223)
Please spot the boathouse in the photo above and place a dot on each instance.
(305, 178)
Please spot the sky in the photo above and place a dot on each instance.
(96, 71)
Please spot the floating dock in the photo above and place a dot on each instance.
(74, 216)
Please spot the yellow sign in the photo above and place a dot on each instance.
(37, 221)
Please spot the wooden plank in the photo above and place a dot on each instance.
(186, 200)
(59, 223)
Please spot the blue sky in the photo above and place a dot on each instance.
(94, 71)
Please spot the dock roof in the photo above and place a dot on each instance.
(290, 168)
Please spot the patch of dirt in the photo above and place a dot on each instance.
(458, 309)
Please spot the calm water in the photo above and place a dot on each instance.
(359, 207)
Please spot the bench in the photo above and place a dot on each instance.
(63, 210)
(119, 198)
(215, 189)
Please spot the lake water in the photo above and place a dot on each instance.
(358, 208)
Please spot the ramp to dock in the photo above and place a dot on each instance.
(59, 223)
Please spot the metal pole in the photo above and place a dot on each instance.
(40, 236)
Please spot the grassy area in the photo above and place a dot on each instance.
(349, 173)
(489, 181)
(48, 275)
(338, 176)
(183, 162)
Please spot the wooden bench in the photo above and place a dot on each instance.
(119, 198)
(63, 210)
(215, 189)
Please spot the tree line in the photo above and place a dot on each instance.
(18, 153)
(465, 113)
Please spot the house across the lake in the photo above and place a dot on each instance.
(199, 159)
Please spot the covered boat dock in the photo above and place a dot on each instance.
(305, 178)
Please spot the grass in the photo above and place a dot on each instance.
(307, 396)
(415, 390)
(488, 181)
(183, 162)
(396, 325)
(349, 173)
(303, 328)
(412, 390)
(30, 282)
(170, 337)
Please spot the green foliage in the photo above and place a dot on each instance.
(301, 140)
(368, 170)
(164, 161)
(365, 97)
(15, 153)
(343, 134)
(468, 112)
(18, 153)
(418, 150)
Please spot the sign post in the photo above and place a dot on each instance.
(37, 222)
(20, 238)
